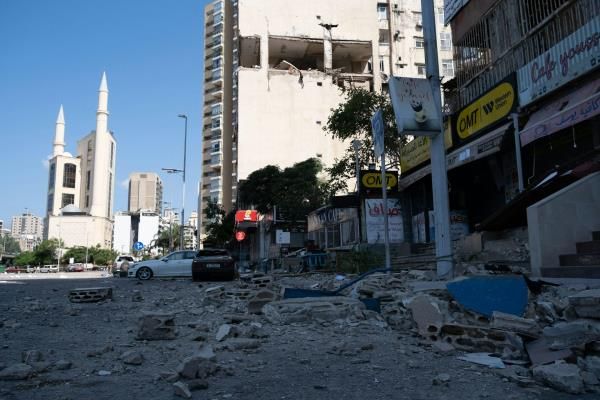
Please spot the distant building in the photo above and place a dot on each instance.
(130, 228)
(122, 233)
(145, 192)
(79, 208)
(27, 229)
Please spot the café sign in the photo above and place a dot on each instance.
(573, 56)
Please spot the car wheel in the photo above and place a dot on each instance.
(144, 273)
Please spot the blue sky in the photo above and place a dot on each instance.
(54, 52)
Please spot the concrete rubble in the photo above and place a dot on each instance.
(220, 330)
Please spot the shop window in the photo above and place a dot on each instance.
(69, 173)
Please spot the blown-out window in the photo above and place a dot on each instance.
(69, 175)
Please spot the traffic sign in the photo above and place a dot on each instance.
(137, 246)
(240, 235)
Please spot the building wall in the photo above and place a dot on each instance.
(122, 236)
(56, 189)
(81, 230)
(148, 228)
(27, 224)
(145, 192)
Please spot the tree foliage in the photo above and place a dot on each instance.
(165, 237)
(47, 252)
(9, 245)
(295, 190)
(351, 120)
(219, 229)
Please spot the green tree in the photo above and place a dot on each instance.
(259, 189)
(351, 120)
(102, 256)
(164, 238)
(9, 245)
(219, 229)
(46, 252)
(25, 258)
(77, 253)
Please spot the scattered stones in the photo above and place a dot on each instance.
(197, 384)
(16, 372)
(564, 335)
(441, 379)
(199, 365)
(31, 356)
(223, 332)
(561, 376)
(62, 365)
(513, 323)
(104, 372)
(313, 308)
(136, 296)
(483, 359)
(156, 326)
(586, 303)
(182, 390)
(132, 357)
(234, 344)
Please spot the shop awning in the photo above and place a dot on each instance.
(484, 146)
(566, 111)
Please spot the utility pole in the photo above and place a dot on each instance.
(443, 241)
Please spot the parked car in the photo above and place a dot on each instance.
(213, 264)
(122, 264)
(176, 264)
(75, 268)
(12, 270)
(49, 268)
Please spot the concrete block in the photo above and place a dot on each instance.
(90, 295)
(156, 326)
(560, 376)
(513, 323)
(262, 297)
(586, 303)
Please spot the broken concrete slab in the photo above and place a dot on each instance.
(513, 323)
(199, 365)
(426, 313)
(16, 372)
(586, 303)
(477, 338)
(90, 295)
(182, 390)
(234, 344)
(560, 376)
(483, 359)
(486, 294)
(564, 335)
(223, 332)
(262, 297)
(540, 353)
(156, 326)
(327, 308)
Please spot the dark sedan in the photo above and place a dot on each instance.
(213, 264)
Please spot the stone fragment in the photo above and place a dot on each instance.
(197, 384)
(223, 332)
(132, 357)
(31, 356)
(90, 295)
(441, 379)
(41, 366)
(214, 291)
(16, 372)
(589, 379)
(262, 297)
(426, 313)
(62, 365)
(586, 303)
(182, 390)
(560, 376)
(234, 344)
(443, 347)
(156, 326)
(483, 359)
(199, 365)
(136, 296)
(104, 372)
(564, 335)
(546, 311)
(313, 308)
(169, 376)
(540, 353)
(590, 364)
(513, 323)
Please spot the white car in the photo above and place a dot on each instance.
(176, 264)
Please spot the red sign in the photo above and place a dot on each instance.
(240, 235)
(246, 216)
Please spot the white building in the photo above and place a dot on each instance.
(27, 229)
(122, 233)
(81, 188)
(274, 70)
(145, 192)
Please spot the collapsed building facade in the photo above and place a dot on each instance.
(274, 70)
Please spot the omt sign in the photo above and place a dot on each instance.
(370, 180)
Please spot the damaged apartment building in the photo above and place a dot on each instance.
(274, 69)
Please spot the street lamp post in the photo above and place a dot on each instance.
(181, 240)
(356, 144)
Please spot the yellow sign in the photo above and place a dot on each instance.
(485, 111)
(417, 151)
(372, 180)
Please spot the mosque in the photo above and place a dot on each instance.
(79, 208)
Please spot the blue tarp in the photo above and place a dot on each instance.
(486, 294)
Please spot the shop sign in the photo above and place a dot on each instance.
(246, 216)
(240, 235)
(415, 110)
(487, 110)
(370, 180)
(328, 216)
(375, 221)
(570, 58)
(451, 8)
(417, 151)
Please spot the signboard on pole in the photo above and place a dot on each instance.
(282, 237)
(374, 218)
(138, 246)
(414, 107)
(240, 235)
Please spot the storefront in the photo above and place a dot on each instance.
(330, 227)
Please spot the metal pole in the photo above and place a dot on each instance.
(386, 235)
(181, 239)
(443, 241)
(356, 146)
(515, 117)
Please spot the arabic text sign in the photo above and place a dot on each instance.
(375, 224)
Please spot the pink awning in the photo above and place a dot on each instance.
(563, 112)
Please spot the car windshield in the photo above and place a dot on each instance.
(125, 259)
